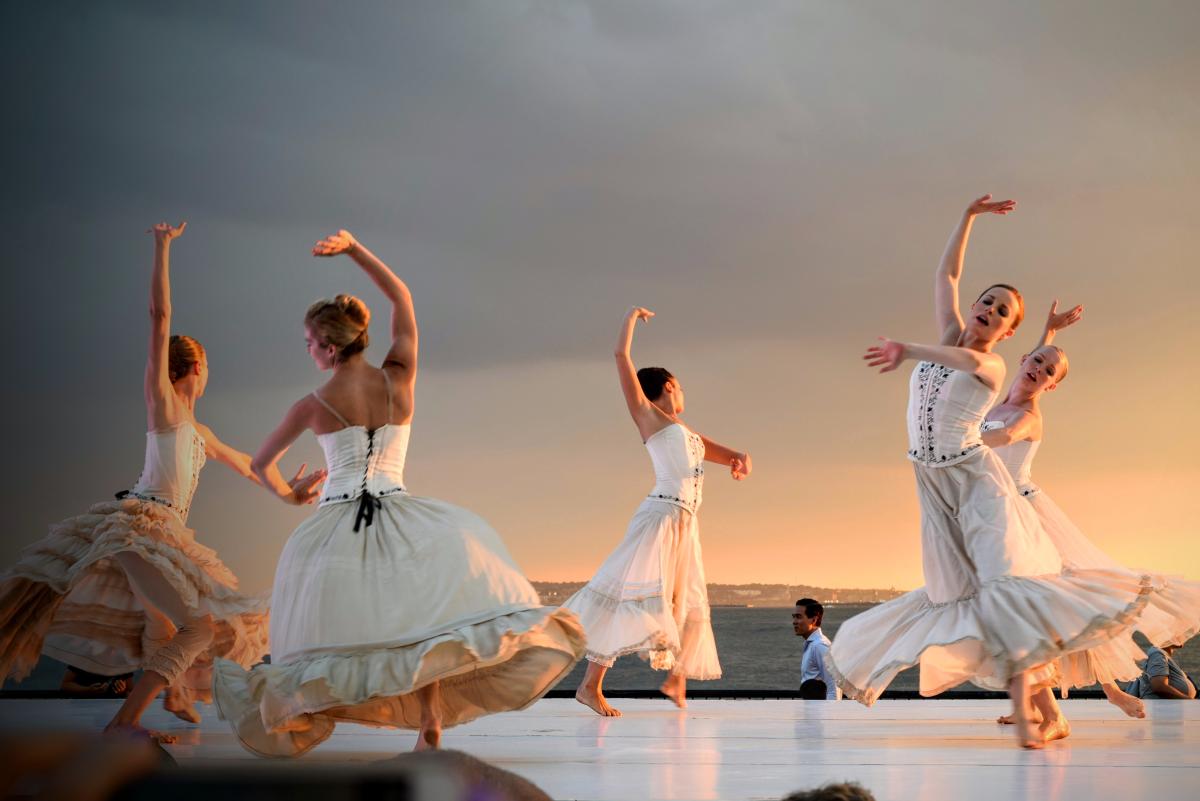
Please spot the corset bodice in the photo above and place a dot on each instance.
(945, 409)
(172, 469)
(364, 462)
(678, 457)
(1018, 458)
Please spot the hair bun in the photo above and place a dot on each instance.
(354, 308)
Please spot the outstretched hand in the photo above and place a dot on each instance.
(639, 313)
(1057, 322)
(336, 244)
(306, 488)
(985, 205)
(740, 467)
(886, 356)
(165, 232)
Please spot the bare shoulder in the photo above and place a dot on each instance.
(403, 385)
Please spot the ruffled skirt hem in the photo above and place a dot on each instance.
(68, 597)
(646, 627)
(1013, 625)
(497, 665)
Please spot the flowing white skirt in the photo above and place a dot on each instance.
(361, 620)
(1172, 615)
(650, 597)
(997, 598)
(67, 597)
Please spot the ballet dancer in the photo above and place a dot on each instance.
(997, 608)
(649, 596)
(127, 585)
(1015, 430)
(389, 609)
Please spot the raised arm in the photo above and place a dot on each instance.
(1019, 425)
(1056, 322)
(947, 315)
(738, 462)
(646, 416)
(888, 355)
(156, 384)
(265, 464)
(402, 356)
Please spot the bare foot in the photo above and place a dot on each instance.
(430, 737)
(1009, 720)
(675, 689)
(1057, 729)
(1129, 704)
(1028, 734)
(597, 702)
(135, 731)
(182, 711)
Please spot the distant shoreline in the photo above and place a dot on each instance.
(554, 593)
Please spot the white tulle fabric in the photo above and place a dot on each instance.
(1171, 616)
(997, 599)
(426, 592)
(650, 595)
(67, 597)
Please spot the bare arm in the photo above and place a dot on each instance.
(1163, 689)
(156, 384)
(947, 316)
(265, 464)
(1018, 426)
(738, 463)
(987, 367)
(227, 455)
(402, 356)
(1055, 322)
(646, 416)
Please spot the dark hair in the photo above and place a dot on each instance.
(813, 690)
(1019, 313)
(842, 791)
(812, 608)
(653, 379)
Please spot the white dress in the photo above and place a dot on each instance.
(997, 599)
(650, 596)
(1171, 617)
(380, 593)
(67, 597)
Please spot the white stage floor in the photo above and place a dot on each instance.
(928, 750)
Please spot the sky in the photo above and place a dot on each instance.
(776, 180)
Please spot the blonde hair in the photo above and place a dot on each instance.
(1066, 364)
(340, 322)
(183, 353)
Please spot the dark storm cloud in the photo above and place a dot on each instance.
(753, 171)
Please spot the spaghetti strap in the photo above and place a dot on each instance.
(387, 382)
(331, 410)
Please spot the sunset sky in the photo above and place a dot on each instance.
(775, 179)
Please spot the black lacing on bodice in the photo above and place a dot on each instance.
(368, 502)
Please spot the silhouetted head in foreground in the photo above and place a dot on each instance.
(842, 791)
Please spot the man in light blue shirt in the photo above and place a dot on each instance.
(806, 622)
(1162, 677)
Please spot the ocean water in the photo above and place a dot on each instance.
(759, 651)
(756, 645)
